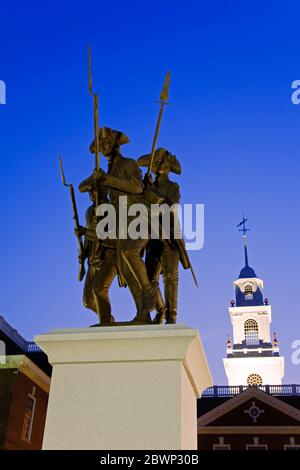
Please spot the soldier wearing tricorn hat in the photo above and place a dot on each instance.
(162, 255)
(101, 256)
(124, 179)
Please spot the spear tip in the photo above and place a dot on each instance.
(165, 91)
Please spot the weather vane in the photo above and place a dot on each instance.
(242, 224)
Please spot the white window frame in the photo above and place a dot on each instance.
(221, 445)
(30, 418)
(251, 333)
(256, 447)
(291, 445)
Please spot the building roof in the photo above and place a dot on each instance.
(212, 397)
(215, 414)
(16, 344)
(247, 272)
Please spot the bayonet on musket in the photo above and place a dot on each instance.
(81, 272)
(96, 112)
(163, 100)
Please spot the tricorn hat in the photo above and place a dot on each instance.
(160, 155)
(113, 136)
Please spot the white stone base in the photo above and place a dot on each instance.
(124, 387)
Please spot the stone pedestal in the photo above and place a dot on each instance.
(130, 387)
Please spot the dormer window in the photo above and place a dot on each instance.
(248, 292)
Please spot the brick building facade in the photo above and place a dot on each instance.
(24, 389)
(250, 420)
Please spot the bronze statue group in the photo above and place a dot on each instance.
(138, 263)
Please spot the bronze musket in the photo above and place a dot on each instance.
(81, 272)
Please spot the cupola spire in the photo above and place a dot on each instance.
(244, 229)
(252, 356)
(247, 271)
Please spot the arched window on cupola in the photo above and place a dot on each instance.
(251, 332)
(248, 292)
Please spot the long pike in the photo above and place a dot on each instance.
(163, 100)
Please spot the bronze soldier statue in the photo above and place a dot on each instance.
(101, 256)
(124, 178)
(162, 255)
(123, 256)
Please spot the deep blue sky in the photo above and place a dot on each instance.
(231, 123)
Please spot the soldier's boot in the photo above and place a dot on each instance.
(160, 316)
(148, 304)
(171, 320)
(142, 319)
(171, 294)
(159, 304)
(107, 320)
(104, 311)
(171, 316)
